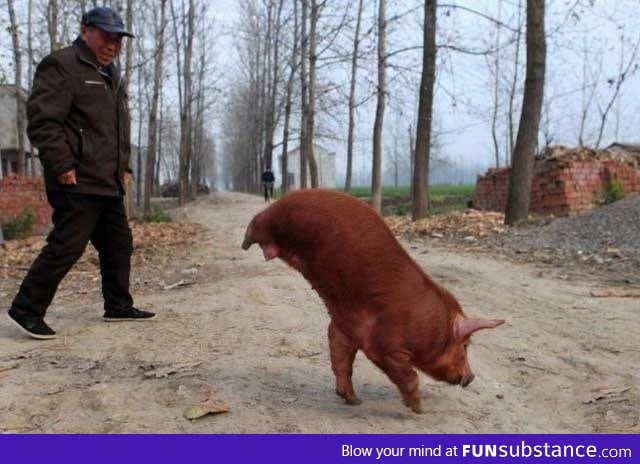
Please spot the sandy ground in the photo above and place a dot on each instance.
(252, 335)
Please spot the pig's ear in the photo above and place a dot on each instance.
(464, 328)
(248, 237)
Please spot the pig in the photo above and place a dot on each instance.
(379, 300)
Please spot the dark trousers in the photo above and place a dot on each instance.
(268, 190)
(78, 218)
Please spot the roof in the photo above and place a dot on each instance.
(315, 147)
(629, 147)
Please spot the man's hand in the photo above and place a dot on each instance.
(128, 178)
(68, 178)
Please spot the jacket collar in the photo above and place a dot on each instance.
(85, 54)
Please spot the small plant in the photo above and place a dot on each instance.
(613, 191)
(402, 209)
(157, 214)
(21, 226)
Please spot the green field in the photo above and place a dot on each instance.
(444, 198)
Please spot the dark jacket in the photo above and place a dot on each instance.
(268, 177)
(79, 118)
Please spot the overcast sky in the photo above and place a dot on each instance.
(463, 94)
(464, 82)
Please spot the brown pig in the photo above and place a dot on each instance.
(380, 301)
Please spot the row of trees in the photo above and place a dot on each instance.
(307, 67)
(170, 74)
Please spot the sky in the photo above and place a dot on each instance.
(462, 108)
(464, 83)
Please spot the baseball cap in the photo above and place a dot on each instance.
(106, 19)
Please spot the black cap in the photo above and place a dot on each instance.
(106, 19)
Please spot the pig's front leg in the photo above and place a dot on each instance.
(398, 367)
(343, 351)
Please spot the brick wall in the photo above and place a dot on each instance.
(17, 192)
(565, 182)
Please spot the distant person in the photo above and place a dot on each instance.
(78, 118)
(268, 179)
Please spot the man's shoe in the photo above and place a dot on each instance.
(130, 314)
(32, 326)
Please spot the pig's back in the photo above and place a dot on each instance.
(350, 254)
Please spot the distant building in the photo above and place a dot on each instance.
(9, 136)
(628, 148)
(326, 167)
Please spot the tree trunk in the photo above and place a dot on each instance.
(287, 107)
(352, 97)
(128, 69)
(304, 38)
(514, 87)
(30, 58)
(152, 136)
(275, 79)
(20, 111)
(310, 132)
(376, 180)
(185, 110)
(496, 93)
(420, 200)
(523, 158)
(52, 24)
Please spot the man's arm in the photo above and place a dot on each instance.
(47, 109)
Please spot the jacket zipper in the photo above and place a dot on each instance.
(117, 89)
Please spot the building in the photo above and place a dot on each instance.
(9, 137)
(566, 181)
(326, 167)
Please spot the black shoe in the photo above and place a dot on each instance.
(130, 314)
(32, 326)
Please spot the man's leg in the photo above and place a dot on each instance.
(113, 239)
(74, 217)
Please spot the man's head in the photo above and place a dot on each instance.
(102, 30)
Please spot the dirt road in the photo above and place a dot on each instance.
(252, 335)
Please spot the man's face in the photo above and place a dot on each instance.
(104, 45)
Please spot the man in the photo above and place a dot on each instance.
(268, 180)
(78, 119)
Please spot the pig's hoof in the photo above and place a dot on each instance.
(351, 400)
(415, 406)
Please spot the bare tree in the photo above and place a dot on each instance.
(275, 27)
(152, 136)
(495, 110)
(625, 70)
(17, 63)
(293, 60)
(376, 176)
(52, 23)
(311, 104)
(185, 91)
(513, 92)
(352, 96)
(588, 89)
(523, 158)
(304, 93)
(420, 200)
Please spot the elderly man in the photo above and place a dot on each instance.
(78, 118)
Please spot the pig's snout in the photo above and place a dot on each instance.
(461, 379)
(467, 380)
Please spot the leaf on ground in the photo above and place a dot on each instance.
(199, 410)
(617, 293)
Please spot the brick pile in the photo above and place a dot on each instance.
(566, 182)
(18, 193)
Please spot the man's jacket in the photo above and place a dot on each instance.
(78, 118)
